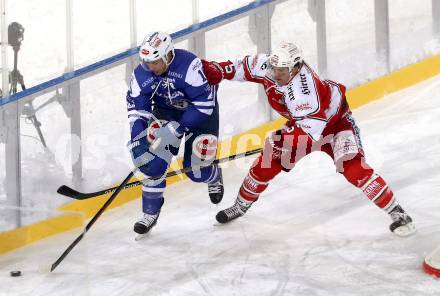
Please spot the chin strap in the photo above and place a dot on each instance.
(165, 58)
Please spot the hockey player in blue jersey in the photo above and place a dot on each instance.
(170, 101)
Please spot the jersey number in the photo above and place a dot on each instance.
(229, 69)
(203, 75)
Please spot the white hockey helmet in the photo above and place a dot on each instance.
(156, 46)
(285, 54)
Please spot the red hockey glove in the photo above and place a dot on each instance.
(213, 72)
(288, 144)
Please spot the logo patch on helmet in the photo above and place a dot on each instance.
(145, 52)
(157, 43)
(154, 35)
(205, 146)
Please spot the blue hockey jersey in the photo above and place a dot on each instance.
(183, 88)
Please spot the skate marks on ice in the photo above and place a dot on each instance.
(250, 257)
(280, 246)
(384, 265)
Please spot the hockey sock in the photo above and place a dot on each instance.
(377, 190)
(152, 202)
(251, 187)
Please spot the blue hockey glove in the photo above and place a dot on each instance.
(139, 151)
(167, 137)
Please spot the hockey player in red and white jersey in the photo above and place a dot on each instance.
(318, 119)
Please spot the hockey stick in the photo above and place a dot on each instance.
(123, 186)
(72, 193)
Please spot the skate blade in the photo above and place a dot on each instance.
(405, 230)
(139, 237)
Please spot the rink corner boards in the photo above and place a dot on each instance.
(75, 214)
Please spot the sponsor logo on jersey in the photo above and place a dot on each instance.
(130, 105)
(169, 83)
(197, 65)
(148, 81)
(290, 93)
(304, 86)
(304, 126)
(175, 74)
(303, 107)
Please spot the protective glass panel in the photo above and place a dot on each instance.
(411, 32)
(99, 34)
(351, 42)
(292, 22)
(47, 150)
(2, 170)
(105, 128)
(209, 9)
(163, 16)
(42, 52)
(235, 98)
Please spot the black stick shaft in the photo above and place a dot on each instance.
(69, 192)
(91, 222)
(115, 194)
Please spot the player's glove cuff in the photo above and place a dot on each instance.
(139, 151)
(213, 72)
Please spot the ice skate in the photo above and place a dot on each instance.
(144, 225)
(237, 210)
(402, 223)
(216, 189)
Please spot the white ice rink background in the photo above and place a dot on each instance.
(306, 236)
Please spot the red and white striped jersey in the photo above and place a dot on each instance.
(307, 101)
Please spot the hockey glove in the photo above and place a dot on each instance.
(213, 72)
(167, 137)
(139, 152)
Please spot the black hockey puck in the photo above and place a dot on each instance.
(15, 273)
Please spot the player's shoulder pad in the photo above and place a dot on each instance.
(191, 67)
(141, 80)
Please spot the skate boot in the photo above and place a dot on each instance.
(216, 188)
(144, 225)
(238, 209)
(402, 223)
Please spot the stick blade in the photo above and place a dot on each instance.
(52, 268)
(69, 192)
